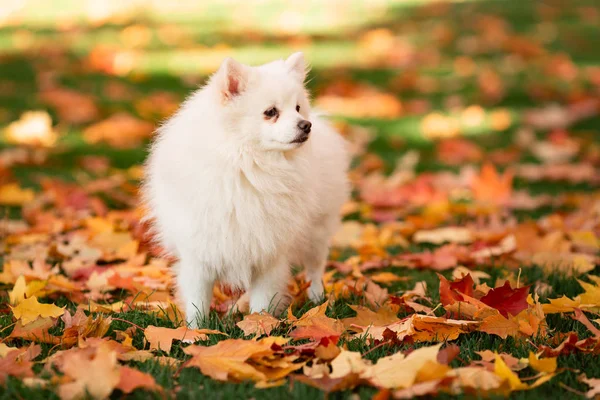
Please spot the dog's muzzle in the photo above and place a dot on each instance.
(304, 127)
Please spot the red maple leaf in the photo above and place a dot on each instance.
(506, 299)
(451, 292)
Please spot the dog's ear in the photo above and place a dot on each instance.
(232, 78)
(296, 65)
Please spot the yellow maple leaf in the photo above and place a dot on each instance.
(502, 370)
(11, 194)
(31, 309)
(542, 365)
(591, 296)
(561, 305)
(17, 294)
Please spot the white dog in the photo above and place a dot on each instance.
(243, 182)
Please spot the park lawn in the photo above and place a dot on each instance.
(336, 56)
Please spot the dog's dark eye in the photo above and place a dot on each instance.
(271, 112)
(298, 108)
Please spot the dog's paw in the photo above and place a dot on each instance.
(316, 292)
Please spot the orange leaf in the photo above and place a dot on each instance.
(365, 317)
(227, 359)
(258, 324)
(491, 187)
(162, 338)
(451, 292)
(132, 379)
(498, 325)
(94, 373)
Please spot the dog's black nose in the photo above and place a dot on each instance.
(304, 126)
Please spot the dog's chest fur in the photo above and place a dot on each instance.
(270, 206)
(240, 214)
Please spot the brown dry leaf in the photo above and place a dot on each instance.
(258, 324)
(80, 326)
(458, 151)
(71, 106)
(162, 338)
(121, 130)
(159, 105)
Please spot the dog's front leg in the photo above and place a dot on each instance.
(268, 290)
(196, 289)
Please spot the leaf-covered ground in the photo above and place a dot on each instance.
(468, 259)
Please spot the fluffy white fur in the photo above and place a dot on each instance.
(233, 198)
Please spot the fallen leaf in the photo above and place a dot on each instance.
(30, 309)
(451, 292)
(131, 379)
(491, 187)
(12, 194)
(399, 371)
(96, 374)
(120, 130)
(34, 128)
(507, 300)
(444, 235)
(542, 365)
(162, 338)
(258, 324)
(594, 385)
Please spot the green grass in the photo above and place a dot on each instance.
(334, 52)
